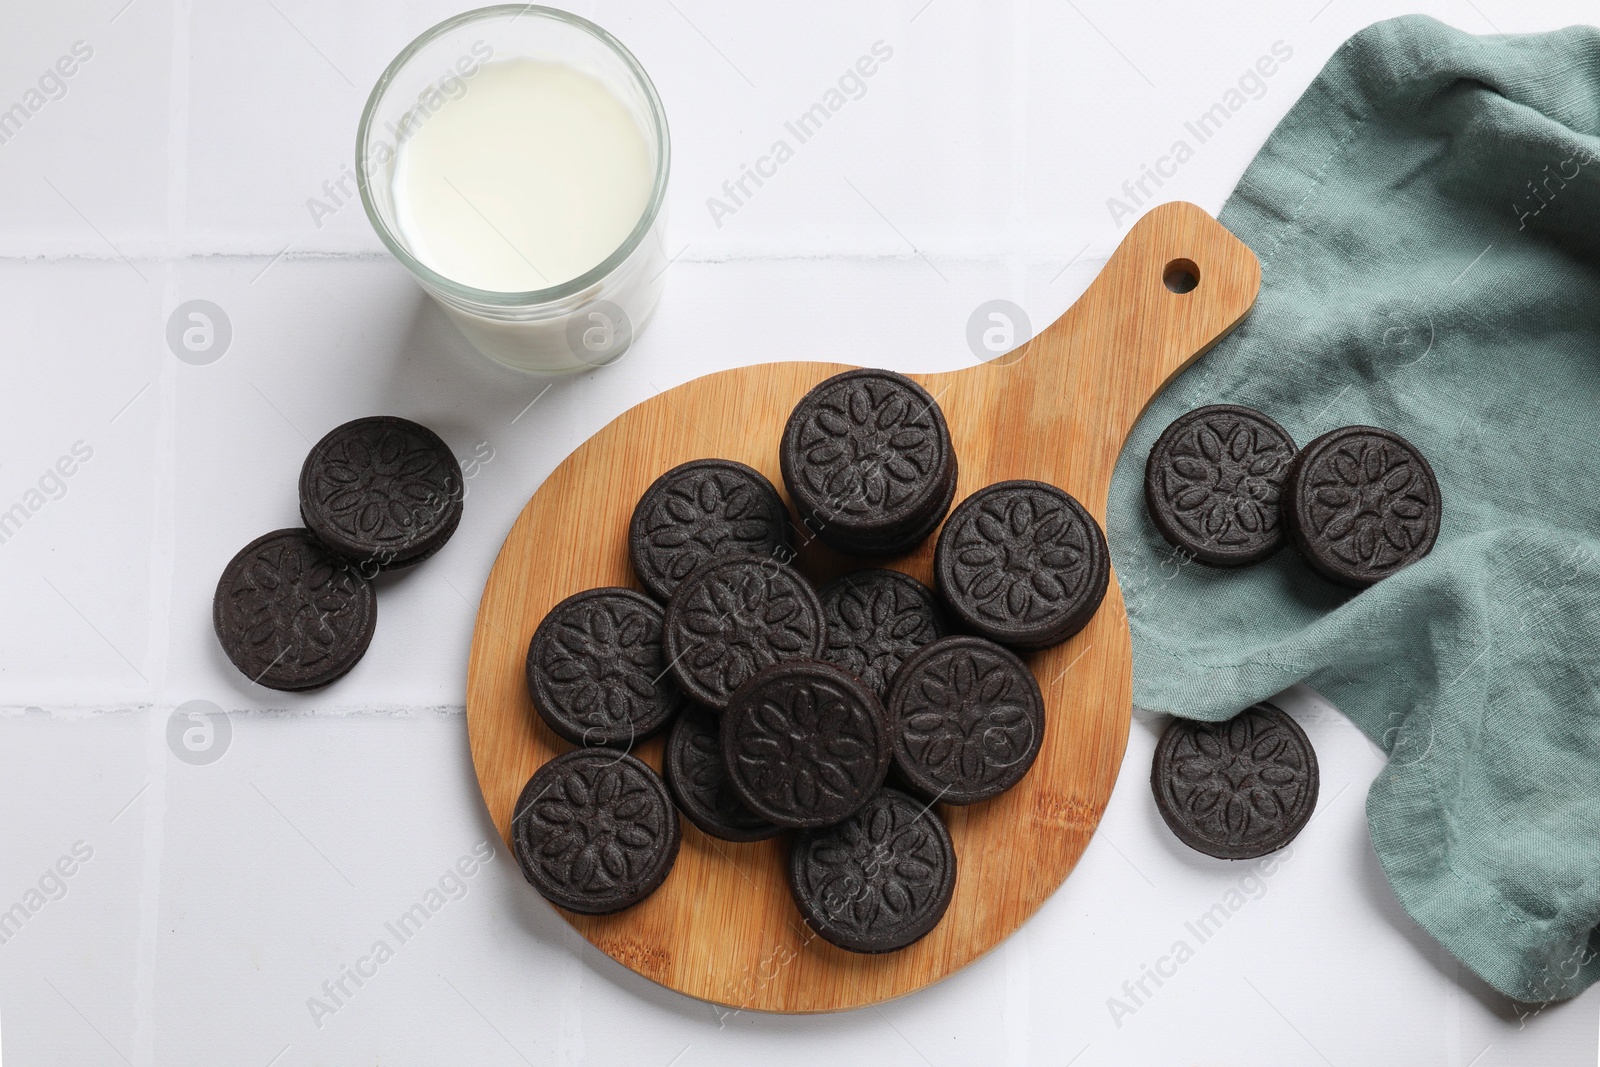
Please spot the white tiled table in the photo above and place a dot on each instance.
(177, 163)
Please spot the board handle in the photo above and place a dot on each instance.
(1175, 286)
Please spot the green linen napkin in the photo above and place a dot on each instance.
(1428, 222)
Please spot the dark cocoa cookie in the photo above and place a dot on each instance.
(967, 718)
(867, 459)
(1022, 563)
(876, 620)
(1237, 789)
(699, 782)
(383, 491)
(805, 744)
(701, 510)
(899, 544)
(595, 831)
(292, 615)
(734, 616)
(879, 881)
(1363, 503)
(929, 524)
(1213, 484)
(595, 669)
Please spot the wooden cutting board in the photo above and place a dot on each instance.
(722, 927)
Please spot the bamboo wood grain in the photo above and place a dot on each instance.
(722, 927)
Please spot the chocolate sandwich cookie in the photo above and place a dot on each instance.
(1213, 484)
(292, 615)
(967, 718)
(867, 459)
(876, 620)
(1237, 789)
(879, 881)
(897, 544)
(1363, 503)
(1022, 563)
(383, 491)
(805, 744)
(698, 511)
(699, 782)
(595, 669)
(595, 831)
(734, 616)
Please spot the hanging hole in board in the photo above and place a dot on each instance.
(1181, 276)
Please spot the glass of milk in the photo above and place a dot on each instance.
(515, 159)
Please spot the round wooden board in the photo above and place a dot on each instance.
(723, 927)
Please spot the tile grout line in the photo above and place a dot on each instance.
(152, 847)
(114, 706)
(1017, 271)
(163, 540)
(1027, 256)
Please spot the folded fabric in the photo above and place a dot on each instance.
(1428, 222)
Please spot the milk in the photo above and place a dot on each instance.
(530, 177)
